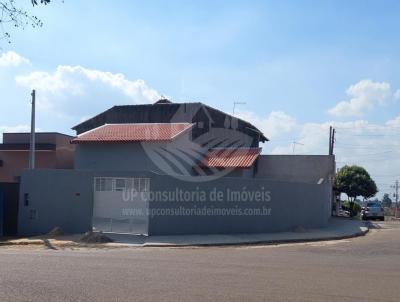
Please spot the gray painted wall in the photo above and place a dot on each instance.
(40, 137)
(298, 168)
(53, 193)
(291, 204)
(161, 157)
(132, 156)
(60, 198)
(122, 157)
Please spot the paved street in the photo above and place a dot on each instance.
(359, 269)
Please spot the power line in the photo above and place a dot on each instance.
(372, 127)
(364, 161)
(372, 154)
(349, 146)
(372, 135)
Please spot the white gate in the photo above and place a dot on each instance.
(121, 205)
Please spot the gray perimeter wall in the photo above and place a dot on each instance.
(298, 168)
(65, 198)
(60, 198)
(291, 205)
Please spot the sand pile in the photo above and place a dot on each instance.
(95, 237)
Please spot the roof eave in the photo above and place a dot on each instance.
(93, 117)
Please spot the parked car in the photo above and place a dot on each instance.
(373, 210)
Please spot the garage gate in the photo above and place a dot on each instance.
(121, 205)
(9, 193)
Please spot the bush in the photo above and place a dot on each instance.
(353, 210)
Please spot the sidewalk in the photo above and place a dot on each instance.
(338, 228)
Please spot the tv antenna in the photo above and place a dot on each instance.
(294, 143)
(234, 106)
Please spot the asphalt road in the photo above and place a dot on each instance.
(359, 269)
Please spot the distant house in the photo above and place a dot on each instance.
(53, 151)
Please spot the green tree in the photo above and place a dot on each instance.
(355, 181)
(386, 201)
(14, 15)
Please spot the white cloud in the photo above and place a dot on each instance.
(314, 137)
(310, 138)
(78, 91)
(373, 146)
(364, 95)
(397, 94)
(394, 122)
(275, 124)
(16, 128)
(12, 59)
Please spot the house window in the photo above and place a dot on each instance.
(136, 184)
(200, 125)
(1, 163)
(98, 184)
(120, 184)
(26, 199)
(129, 183)
(144, 185)
(104, 184)
(107, 184)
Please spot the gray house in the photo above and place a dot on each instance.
(169, 168)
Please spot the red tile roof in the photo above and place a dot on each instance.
(125, 133)
(231, 157)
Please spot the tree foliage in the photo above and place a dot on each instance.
(386, 201)
(355, 181)
(353, 207)
(14, 15)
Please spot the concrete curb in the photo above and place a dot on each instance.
(244, 242)
(260, 242)
(65, 244)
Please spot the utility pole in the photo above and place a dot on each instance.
(396, 196)
(32, 141)
(331, 139)
(335, 198)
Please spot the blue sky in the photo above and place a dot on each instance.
(270, 54)
(292, 62)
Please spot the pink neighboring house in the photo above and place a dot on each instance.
(53, 151)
